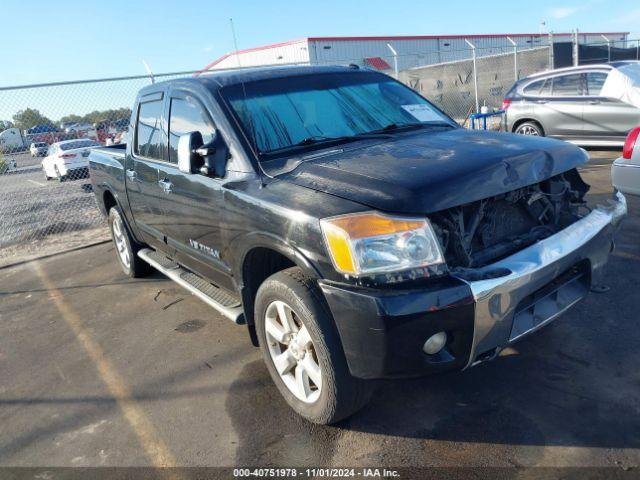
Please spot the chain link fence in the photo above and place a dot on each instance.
(46, 132)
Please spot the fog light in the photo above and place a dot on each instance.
(435, 343)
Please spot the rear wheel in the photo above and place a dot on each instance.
(126, 247)
(60, 177)
(529, 128)
(303, 352)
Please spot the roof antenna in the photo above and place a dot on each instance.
(247, 113)
(235, 41)
(148, 68)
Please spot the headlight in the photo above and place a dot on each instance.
(367, 243)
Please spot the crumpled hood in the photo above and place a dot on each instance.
(429, 171)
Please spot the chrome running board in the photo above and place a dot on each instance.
(220, 299)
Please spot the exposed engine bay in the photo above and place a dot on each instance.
(482, 232)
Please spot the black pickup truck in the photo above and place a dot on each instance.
(356, 230)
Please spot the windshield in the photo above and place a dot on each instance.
(78, 144)
(280, 113)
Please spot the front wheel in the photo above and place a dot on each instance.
(302, 350)
(126, 247)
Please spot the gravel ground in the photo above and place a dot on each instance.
(39, 217)
(100, 370)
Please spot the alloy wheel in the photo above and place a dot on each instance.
(292, 352)
(120, 241)
(528, 130)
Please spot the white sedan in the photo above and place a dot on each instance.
(68, 159)
(625, 172)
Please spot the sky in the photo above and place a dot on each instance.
(45, 41)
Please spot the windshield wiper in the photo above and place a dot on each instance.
(319, 139)
(407, 126)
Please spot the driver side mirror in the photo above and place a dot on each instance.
(194, 156)
(188, 160)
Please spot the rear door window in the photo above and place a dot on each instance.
(149, 142)
(568, 85)
(540, 88)
(595, 81)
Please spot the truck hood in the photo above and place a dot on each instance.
(429, 171)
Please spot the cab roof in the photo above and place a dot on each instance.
(224, 78)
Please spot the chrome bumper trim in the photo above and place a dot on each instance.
(534, 267)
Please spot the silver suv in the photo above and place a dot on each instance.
(566, 104)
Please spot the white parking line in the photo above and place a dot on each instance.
(36, 183)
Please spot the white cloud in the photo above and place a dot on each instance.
(562, 12)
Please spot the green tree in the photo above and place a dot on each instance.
(72, 118)
(5, 124)
(30, 117)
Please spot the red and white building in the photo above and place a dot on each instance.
(411, 51)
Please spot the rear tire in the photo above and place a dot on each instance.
(330, 393)
(126, 247)
(60, 178)
(529, 128)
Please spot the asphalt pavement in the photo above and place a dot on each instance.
(100, 370)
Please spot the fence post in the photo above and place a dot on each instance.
(515, 58)
(395, 59)
(475, 74)
(608, 47)
(551, 59)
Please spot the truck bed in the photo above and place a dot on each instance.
(115, 151)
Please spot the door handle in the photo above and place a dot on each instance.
(132, 175)
(594, 102)
(541, 101)
(166, 185)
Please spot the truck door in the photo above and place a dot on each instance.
(146, 153)
(192, 204)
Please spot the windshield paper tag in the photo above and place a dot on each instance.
(422, 112)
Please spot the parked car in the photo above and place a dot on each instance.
(568, 104)
(625, 172)
(38, 149)
(68, 159)
(79, 127)
(355, 229)
(43, 128)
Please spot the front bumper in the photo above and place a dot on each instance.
(482, 310)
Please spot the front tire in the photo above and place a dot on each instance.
(126, 247)
(529, 128)
(303, 352)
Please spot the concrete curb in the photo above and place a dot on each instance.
(32, 259)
